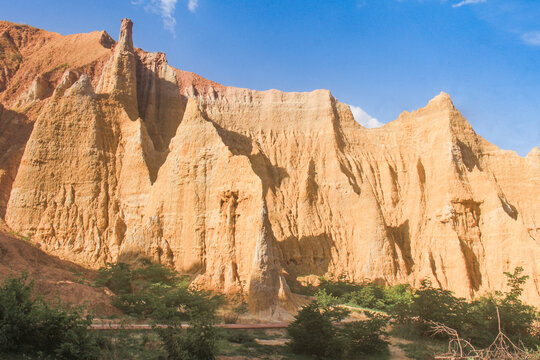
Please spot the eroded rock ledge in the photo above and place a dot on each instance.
(111, 154)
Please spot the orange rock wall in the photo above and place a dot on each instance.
(108, 153)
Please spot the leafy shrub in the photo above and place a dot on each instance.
(338, 288)
(197, 342)
(415, 309)
(325, 300)
(167, 303)
(476, 321)
(369, 295)
(28, 325)
(312, 333)
(156, 292)
(517, 319)
(121, 278)
(437, 305)
(367, 336)
(397, 298)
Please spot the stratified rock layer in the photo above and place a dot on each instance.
(108, 153)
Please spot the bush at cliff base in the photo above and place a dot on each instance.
(31, 327)
(155, 292)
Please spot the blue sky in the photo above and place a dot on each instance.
(382, 56)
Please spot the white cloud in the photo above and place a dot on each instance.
(532, 38)
(363, 118)
(166, 9)
(192, 5)
(468, 2)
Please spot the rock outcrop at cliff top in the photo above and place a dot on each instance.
(108, 153)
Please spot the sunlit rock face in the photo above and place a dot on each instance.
(107, 153)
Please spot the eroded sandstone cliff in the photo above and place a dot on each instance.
(108, 153)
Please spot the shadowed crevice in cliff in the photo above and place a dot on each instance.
(155, 95)
(465, 222)
(341, 143)
(473, 266)
(508, 208)
(161, 107)
(468, 156)
(433, 266)
(310, 185)
(421, 171)
(158, 256)
(308, 255)
(271, 176)
(401, 237)
(15, 130)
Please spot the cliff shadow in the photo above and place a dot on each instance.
(341, 144)
(162, 108)
(472, 265)
(466, 226)
(15, 130)
(271, 176)
(308, 255)
(402, 239)
(508, 208)
(470, 159)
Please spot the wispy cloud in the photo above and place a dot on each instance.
(468, 2)
(166, 9)
(192, 5)
(532, 38)
(363, 118)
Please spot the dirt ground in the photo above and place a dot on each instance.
(53, 278)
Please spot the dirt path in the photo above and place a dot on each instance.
(396, 352)
(119, 326)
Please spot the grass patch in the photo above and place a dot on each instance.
(20, 236)
(251, 348)
(132, 344)
(420, 347)
(426, 349)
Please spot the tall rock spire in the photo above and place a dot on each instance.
(119, 77)
(125, 41)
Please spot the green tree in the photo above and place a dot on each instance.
(367, 336)
(437, 305)
(29, 326)
(159, 293)
(196, 342)
(516, 318)
(312, 333)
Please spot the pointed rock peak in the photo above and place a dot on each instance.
(82, 87)
(125, 42)
(535, 152)
(106, 40)
(442, 100)
(68, 78)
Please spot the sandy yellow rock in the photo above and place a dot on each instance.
(250, 191)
